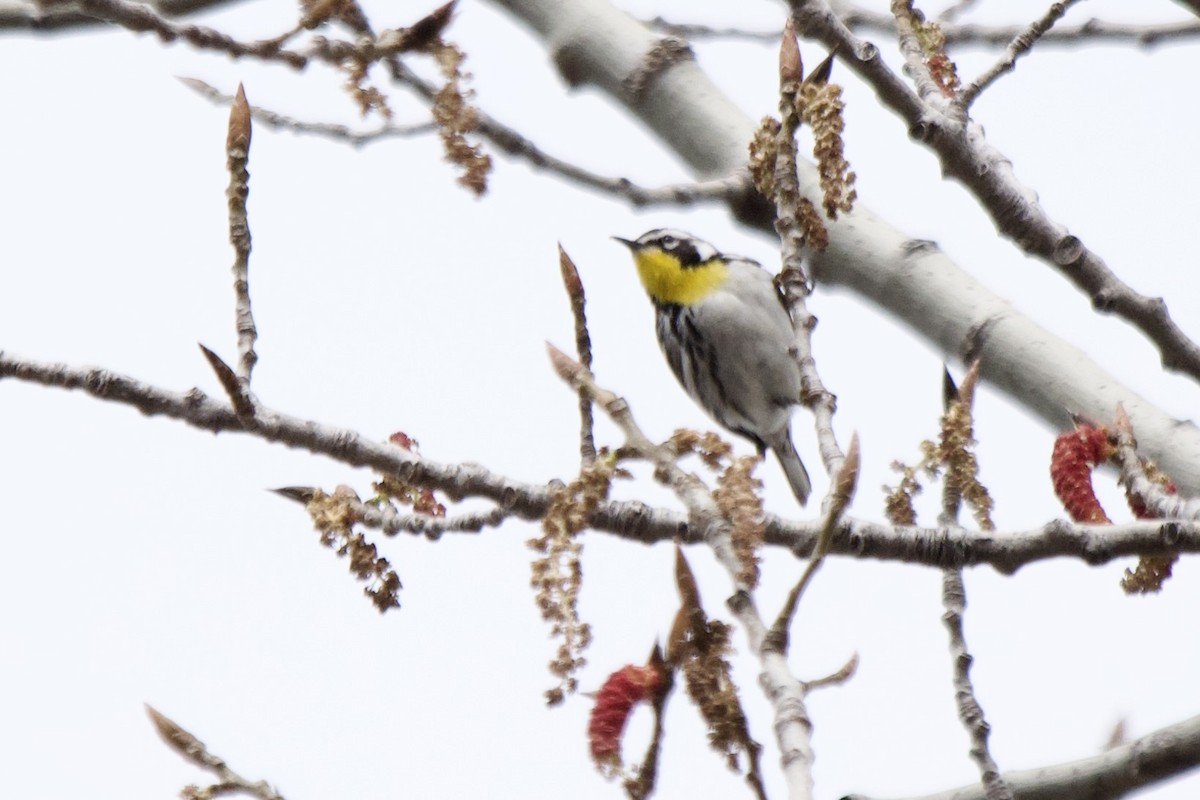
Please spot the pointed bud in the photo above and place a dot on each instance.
(238, 138)
(821, 74)
(790, 66)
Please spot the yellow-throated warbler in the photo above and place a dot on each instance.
(727, 336)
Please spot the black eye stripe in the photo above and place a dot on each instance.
(687, 253)
(690, 252)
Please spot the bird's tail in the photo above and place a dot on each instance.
(793, 467)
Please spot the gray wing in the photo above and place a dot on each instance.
(750, 388)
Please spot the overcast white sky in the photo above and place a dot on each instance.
(146, 562)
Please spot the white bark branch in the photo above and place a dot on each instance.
(593, 43)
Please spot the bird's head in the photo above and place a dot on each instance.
(675, 267)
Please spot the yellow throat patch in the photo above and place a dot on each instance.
(667, 281)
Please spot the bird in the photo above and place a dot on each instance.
(726, 333)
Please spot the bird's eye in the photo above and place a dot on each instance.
(669, 242)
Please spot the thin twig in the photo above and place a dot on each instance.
(327, 130)
(951, 11)
(1091, 31)
(836, 678)
(957, 433)
(845, 484)
(916, 65)
(729, 189)
(793, 280)
(391, 522)
(1021, 44)
(237, 151)
(864, 20)
(194, 750)
(142, 19)
(583, 348)
(364, 50)
(970, 713)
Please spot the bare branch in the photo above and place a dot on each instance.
(798, 225)
(191, 748)
(1115, 773)
(142, 19)
(328, 130)
(1021, 44)
(237, 151)
(950, 12)
(391, 522)
(957, 436)
(583, 348)
(970, 712)
(1093, 30)
(1006, 551)
(44, 17)
(837, 678)
(734, 188)
(863, 20)
(844, 485)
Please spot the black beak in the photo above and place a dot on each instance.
(632, 245)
